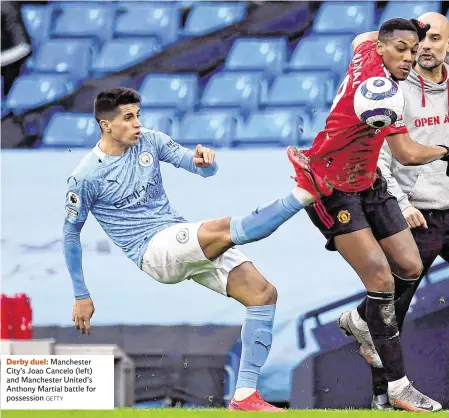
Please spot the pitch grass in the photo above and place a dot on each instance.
(201, 413)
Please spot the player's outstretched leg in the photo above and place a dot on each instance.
(267, 218)
(248, 286)
(219, 235)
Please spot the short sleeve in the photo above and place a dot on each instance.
(80, 196)
(365, 48)
(395, 128)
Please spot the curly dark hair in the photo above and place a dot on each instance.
(388, 27)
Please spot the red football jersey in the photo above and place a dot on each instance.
(346, 152)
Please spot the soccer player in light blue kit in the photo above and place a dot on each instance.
(119, 182)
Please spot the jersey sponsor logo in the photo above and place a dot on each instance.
(145, 159)
(344, 217)
(182, 235)
(71, 212)
(73, 200)
(152, 188)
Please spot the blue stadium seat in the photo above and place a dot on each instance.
(160, 21)
(92, 21)
(125, 5)
(37, 19)
(119, 54)
(318, 124)
(209, 17)
(328, 52)
(71, 130)
(269, 127)
(233, 90)
(160, 120)
(301, 89)
(408, 9)
(67, 56)
(249, 54)
(345, 17)
(206, 127)
(175, 91)
(32, 91)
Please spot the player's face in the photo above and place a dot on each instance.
(398, 54)
(433, 49)
(125, 127)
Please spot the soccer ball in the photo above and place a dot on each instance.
(379, 102)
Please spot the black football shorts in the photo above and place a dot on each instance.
(373, 208)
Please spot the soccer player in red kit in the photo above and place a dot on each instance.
(353, 209)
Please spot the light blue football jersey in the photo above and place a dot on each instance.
(125, 194)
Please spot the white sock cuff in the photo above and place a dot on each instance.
(303, 196)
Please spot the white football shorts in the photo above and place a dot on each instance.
(174, 254)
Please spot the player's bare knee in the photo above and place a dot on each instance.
(411, 271)
(266, 295)
(270, 294)
(257, 291)
(380, 279)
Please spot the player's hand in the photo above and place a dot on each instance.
(414, 218)
(203, 157)
(421, 28)
(446, 158)
(83, 309)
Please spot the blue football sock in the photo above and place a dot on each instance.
(256, 344)
(264, 220)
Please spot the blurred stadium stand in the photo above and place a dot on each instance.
(244, 54)
(241, 77)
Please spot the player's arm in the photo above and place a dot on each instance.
(410, 153)
(78, 201)
(363, 37)
(413, 216)
(201, 161)
(384, 163)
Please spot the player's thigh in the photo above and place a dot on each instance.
(214, 237)
(403, 255)
(362, 251)
(391, 230)
(235, 276)
(174, 254)
(346, 210)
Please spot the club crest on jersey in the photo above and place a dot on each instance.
(145, 159)
(73, 200)
(182, 235)
(344, 217)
